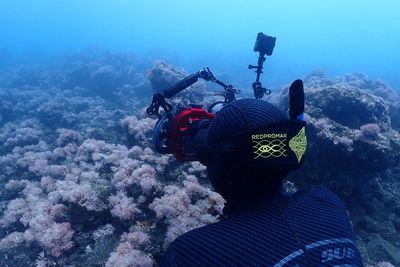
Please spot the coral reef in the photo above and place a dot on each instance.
(81, 186)
(79, 182)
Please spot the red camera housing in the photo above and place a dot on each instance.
(183, 146)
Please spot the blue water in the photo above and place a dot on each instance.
(337, 36)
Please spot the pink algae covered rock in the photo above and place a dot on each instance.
(39, 216)
(80, 184)
(183, 209)
(122, 206)
(78, 172)
(57, 238)
(130, 251)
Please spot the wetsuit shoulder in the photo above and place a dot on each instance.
(183, 251)
(320, 194)
(269, 234)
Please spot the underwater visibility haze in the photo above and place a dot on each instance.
(81, 183)
(335, 36)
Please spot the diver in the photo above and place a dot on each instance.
(249, 146)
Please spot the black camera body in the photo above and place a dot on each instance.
(264, 44)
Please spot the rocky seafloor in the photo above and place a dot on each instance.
(81, 186)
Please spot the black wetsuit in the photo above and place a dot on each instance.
(308, 228)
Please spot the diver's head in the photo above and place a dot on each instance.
(230, 176)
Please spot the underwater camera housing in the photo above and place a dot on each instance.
(264, 44)
(182, 130)
(176, 128)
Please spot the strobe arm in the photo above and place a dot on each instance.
(206, 74)
(159, 98)
(181, 85)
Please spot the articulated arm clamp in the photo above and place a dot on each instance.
(206, 74)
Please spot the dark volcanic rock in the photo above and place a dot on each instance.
(348, 106)
(354, 149)
(361, 82)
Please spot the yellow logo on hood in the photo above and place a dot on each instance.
(299, 143)
(264, 147)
